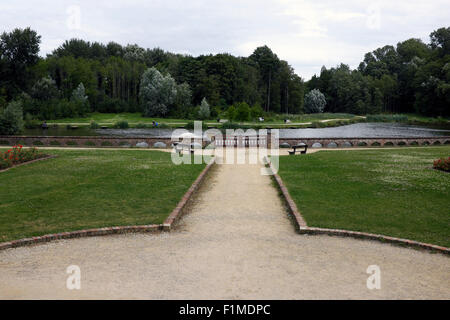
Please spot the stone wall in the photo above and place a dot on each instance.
(85, 141)
(100, 141)
(364, 142)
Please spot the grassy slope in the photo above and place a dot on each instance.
(91, 188)
(391, 192)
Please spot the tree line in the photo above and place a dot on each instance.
(412, 77)
(82, 76)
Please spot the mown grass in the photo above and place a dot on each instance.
(390, 192)
(112, 118)
(91, 188)
(134, 118)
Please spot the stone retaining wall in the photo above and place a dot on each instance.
(365, 142)
(102, 141)
(82, 141)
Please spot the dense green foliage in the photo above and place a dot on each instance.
(315, 101)
(83, 189)
(11, 119)
(390, 192)
(411, 78)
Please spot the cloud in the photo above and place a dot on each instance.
(306, 33)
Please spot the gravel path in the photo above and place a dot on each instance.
(236, 243)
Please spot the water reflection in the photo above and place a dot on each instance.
(363, 130)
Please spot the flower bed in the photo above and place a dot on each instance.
(18, 155)
(442, 164)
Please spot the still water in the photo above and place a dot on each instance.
(362, 130)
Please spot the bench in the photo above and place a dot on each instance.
(180, 147)
(303, 149)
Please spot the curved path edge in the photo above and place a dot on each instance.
(302, 227)
(166, 226)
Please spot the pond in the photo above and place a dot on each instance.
(366, 130)
(362, 130)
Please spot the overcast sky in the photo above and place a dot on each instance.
(308, 34)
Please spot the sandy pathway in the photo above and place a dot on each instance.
(236, 243)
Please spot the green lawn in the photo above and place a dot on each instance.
(91, 188)
(390, 192)
(111, 118)
(135, 118)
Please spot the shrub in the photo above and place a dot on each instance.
(11, 119)
(389, 143)
(55, 143)
(243, 112)
(318, 124)
(387, 118)
(71, 143)
(106, 144)
(362, 144)
(121, 124)
(442, 164)
(89, 143)
(94, 125)
(375, 144)
(190, 125)
(141, 125)
(414, 143)
(4, 143)
(29, 123)
(38, 143)
(402, 143)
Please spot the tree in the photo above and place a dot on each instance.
(45, 89)
(440, 40)
(18, 52)
(11, 119)
(81, 99)
(315, 102)
(157, 92)
(183, 98)
(204, 111)
(133, 52)
(243, 112)
(267, 63)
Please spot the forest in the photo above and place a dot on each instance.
(81, 77)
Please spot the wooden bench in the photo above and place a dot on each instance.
(303, 149)
(180, 147)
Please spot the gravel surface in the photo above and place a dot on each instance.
(235, 242)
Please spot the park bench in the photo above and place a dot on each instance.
(180, 147)
(302, 149)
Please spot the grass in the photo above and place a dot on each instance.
(83, 189)
(390, 192)
(136, 119)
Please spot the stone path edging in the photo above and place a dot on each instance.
(166, 226)
(303, 228)
(178, 211)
